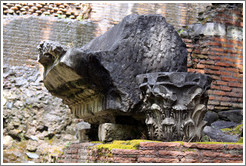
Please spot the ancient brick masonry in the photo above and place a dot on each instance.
(18, 30)
(75, 153)
(225, 66)
(153, 152)
(220, 55)
(77, 11)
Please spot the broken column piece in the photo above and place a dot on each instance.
(101, 75)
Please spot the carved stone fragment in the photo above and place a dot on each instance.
(174, 104)
(100, 76)
(98, 81)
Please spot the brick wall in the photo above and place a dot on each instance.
(218, 51)
(106, 15)
(77, 11)
(75, 153)
(21, 24)
(152, 152)
(225, 66)
(22, 34)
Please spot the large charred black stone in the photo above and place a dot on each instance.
(98, 81)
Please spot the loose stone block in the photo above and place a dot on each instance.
(109, 132)
(82, 130)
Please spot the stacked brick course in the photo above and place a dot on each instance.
(77, 11)
(221, 57)
(22, 35)
(224, 67)
(106, 15)
(75, 153)
(153, 152)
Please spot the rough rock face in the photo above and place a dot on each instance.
(29, 109)
(101, 76)
(211, 117)
(232, 115)
(217, 135)
(33, 119)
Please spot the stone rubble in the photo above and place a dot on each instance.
(228, 119)
(32, 118)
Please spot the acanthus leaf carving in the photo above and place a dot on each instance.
(174, 106)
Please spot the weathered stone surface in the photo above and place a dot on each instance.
(32, 155)
(31, 148)
(175, 104)
(26, 120)
(68, 137)
(83, 126)
(209, 28)
(82, 129)
(211, 117)
(4, 101)
(220, 124)
(217, 135)
(15, 134)
(235, 32)
(9, 105)
(232, 115)
(34, 138)
(101, 75)
(7, 141)
(109, 132)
